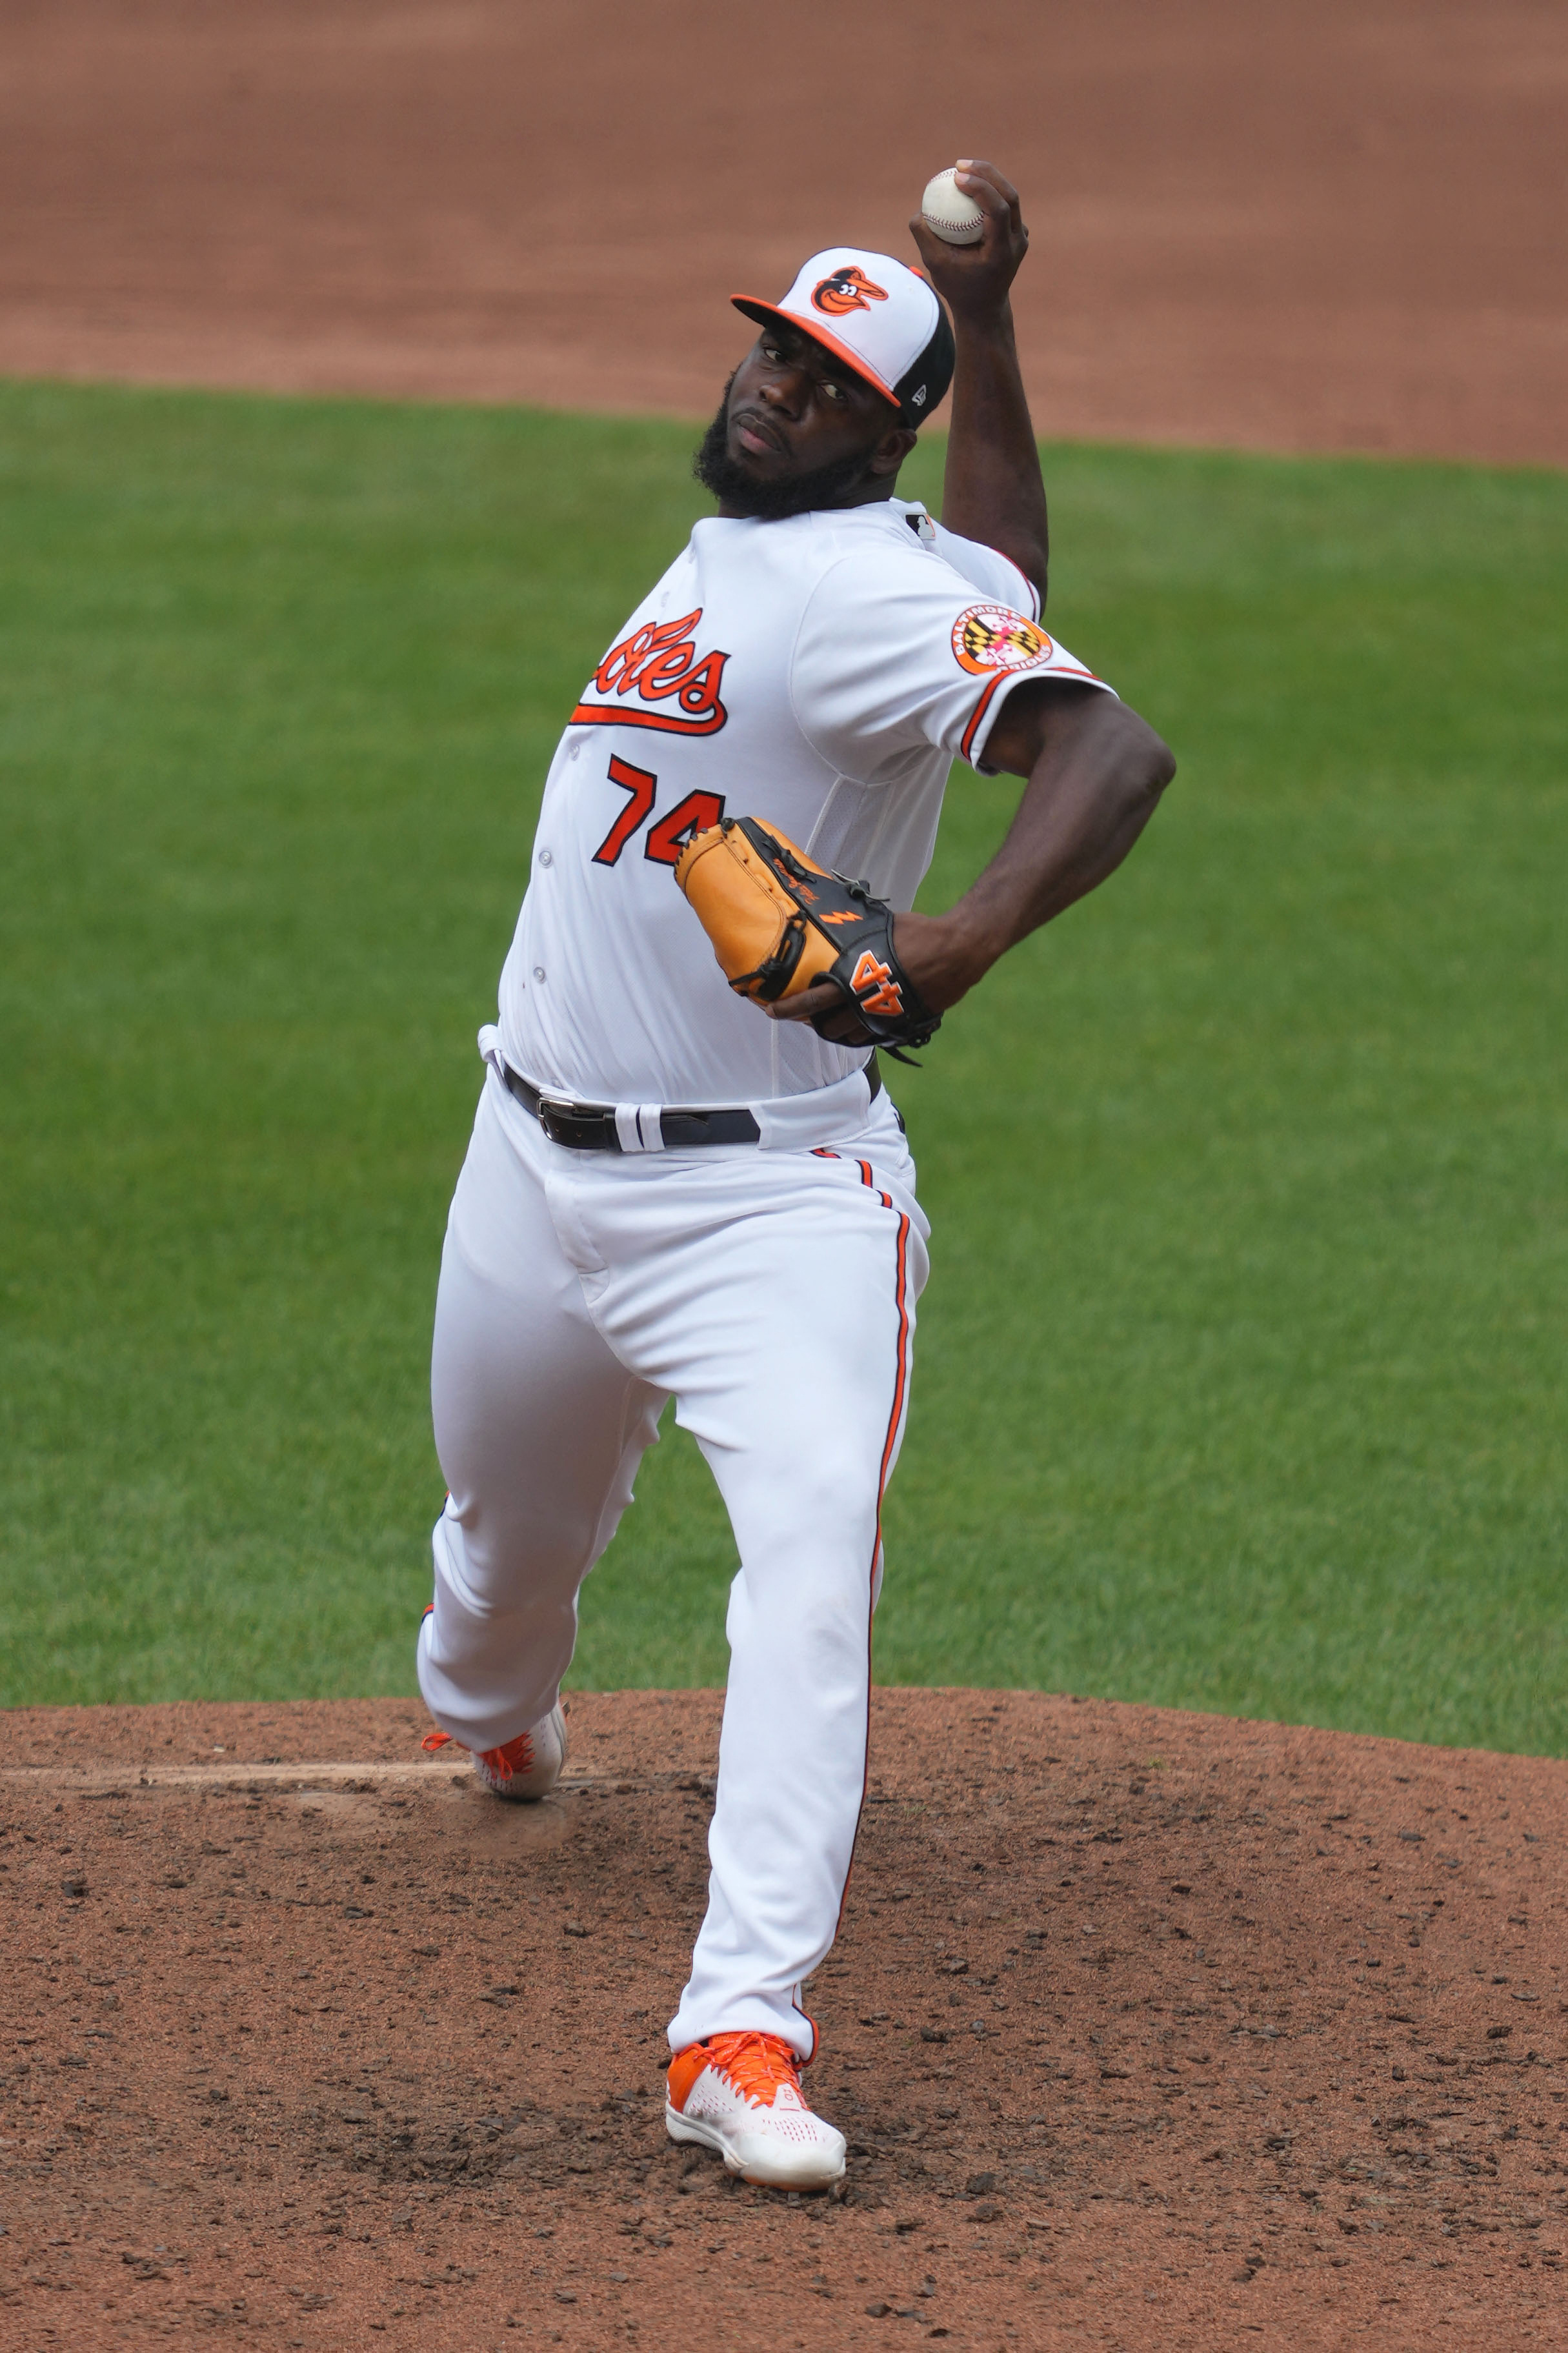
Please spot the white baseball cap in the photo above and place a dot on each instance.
(880, 317)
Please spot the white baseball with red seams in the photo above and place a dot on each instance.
(948, 213)
(820, 673)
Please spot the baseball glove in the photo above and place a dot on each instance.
(781, 924)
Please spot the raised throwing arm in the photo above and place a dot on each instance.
(992, 490)
(1094, 770)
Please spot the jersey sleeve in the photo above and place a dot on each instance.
(900, 656)
(987, 568)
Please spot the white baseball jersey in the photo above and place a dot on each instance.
(820, 673)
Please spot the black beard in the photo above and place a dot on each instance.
(769, 502)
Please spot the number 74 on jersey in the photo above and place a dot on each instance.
(663, 842)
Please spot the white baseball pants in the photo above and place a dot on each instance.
(771, 1291)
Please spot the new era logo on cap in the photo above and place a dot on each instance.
(881, 318)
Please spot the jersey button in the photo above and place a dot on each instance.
(539, 972)
(547, 857)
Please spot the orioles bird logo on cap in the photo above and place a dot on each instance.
(848, 290)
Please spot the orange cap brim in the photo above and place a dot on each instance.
(765, 312)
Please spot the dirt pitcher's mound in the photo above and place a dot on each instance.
(1146, 2030)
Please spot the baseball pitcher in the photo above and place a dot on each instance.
(685, 1169)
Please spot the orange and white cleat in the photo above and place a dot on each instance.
(740, 2095)
(527, 1768)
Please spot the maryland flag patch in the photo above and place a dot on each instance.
(993, 638)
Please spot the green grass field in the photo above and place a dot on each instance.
(1240, 1381)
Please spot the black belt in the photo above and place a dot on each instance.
(590, 1127)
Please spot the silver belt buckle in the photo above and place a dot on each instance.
(547, 1112)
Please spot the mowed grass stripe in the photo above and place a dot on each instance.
(1238, 1380)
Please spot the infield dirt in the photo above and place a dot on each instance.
(1287, 227)
(1147, 2029)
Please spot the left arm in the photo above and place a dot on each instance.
(1095, 773)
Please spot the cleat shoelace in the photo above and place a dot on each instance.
(517, 1756)
(759, 2066)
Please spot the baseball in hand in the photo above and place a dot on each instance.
(948, 214)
